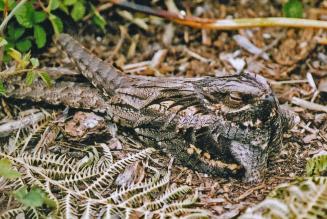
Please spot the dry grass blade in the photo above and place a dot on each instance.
(223, 24)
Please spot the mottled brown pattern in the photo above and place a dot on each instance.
(218, 125)
(75, 95)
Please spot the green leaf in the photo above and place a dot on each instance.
(57, 24)
(64, 8)
(293, 8)
(46, 78)
(14, 33)
(16, 55)
(6, 169)
(40, 36)
(19, 31)
(2, 90)
(69, 2)
(78, 11)
(11, 4)
(30, 77)
(22, 60)
(98, 20)
(21, 192)
(3, 42)
(24, 45)
(8, 46)
(35, 62)
(2, 5)
(33, 198)
(26, 58)
(54, 4)
(39, 17)
(50, 203)
(10, 31)
(25, 14)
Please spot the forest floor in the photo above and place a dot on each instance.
(292, 60)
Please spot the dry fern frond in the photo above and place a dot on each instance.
(21, 212)
(106, 158)
(302, 199)
(68, 207)
(32, 131)
(108, 176)
(89, 191)
(48, 160)
(133, 189)
(12, 213)
(136, 199)
(90, 160)
(169, 196)
(89, 210)
(317, 166)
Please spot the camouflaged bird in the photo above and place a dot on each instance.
(224, 126)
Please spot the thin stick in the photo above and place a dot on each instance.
(250, 191)
(196, 56)
(309, 105)
(11, 126)
(4, 24)
(288, 82)
(223, 24)
(12, 13)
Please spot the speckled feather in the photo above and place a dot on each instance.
(218, 125)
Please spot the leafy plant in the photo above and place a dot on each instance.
(28, 18)
(11, 4)
(33, 18)
(33, 198)
(22, 62)
(293, 8)
(15, 40)
(97, 19)
(7, 171)
(33, 74)
(2, 88)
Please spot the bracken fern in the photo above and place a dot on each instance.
(303, 198)
(317, 165)
(87, 188)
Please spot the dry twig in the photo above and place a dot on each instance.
(11, 126)
(223, 24)
(309, 105)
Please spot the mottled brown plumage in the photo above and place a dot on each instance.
(217, 125)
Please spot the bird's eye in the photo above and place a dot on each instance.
(234, 100)
(235, 97)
